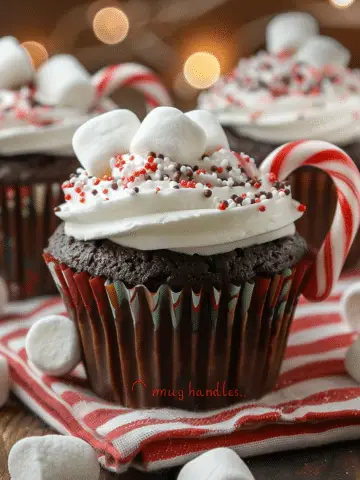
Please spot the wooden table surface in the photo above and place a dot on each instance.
(335, 462)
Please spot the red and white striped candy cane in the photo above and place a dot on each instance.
(345, 175)
(132, 75)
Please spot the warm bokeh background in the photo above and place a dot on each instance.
(164, 33)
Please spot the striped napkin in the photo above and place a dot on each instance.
(315, 401)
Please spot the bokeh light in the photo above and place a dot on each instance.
(201, 70)
(342, 3)
(111, 25)
(37, 52)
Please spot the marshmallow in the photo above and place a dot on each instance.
(4, 294)
(52, 345)
(53, 457)
(217, 464)
(4, 381)
(168, 131)
(63, 81)
(352, 360)
(350, 306)
(16, 69)
(102, 137)
(321, 50)
(215, 135)
(289, 31)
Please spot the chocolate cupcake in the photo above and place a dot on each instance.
(300, 88)
(179, 261)
(39, 113)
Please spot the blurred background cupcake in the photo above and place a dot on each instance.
(300, 88)
(40, 111)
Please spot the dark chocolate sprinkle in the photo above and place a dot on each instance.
(234, 196)
(114, 186)
(287, 191)
(152, 154)
(161, 156)
(94, 192)
(136, 190)
(213, 168)
(269, 195)
(207, 193)
(238, 200)
(229, 168)
(176, 186)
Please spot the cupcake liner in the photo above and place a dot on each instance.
(310, 186)
(184, 349)
(26, 222)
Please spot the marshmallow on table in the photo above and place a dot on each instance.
(352, 360)
(52, 345)
(16, 68)
(4, 381)
(217, 464)
(321, 50)
(63, 81)
(168, 131)
(350, 306)
(53, 457)
(102, 137)
(289, 31)
(215, 135)
(4, 294)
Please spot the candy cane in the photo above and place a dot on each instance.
(140, 78)
(345, 175)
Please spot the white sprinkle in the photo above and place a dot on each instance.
(262, 197)
(79, 170)
(282, 194)
(225, 182)
(131, 192)
(247, 185)
(78, 184)
(199, 185)
(230, 182)
(183, 169)
(249, 194)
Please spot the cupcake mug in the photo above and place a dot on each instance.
(179, 260)
(39, 113)
(300, 88)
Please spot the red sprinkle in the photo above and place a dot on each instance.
(131, 157)
(223, 205)
(82, 200)
(302, 207)
(220, 169)
(262, 208)
(157, 189)
(257, 185)
(257, 200)
(82, 194)
(132, 178)
(68, 197)
(147, 165)
(77, 189)
(96, 181)
(153, 167)
(105, 191)
(151, 159)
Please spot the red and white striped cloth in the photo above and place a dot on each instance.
(315, 401)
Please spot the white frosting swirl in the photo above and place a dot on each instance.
(275, 99)
(153, 203)
(26, 127)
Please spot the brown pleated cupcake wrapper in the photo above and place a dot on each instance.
(191, 350)
(26, 221)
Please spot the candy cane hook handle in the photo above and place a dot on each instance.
(346, 177)
(114, 77)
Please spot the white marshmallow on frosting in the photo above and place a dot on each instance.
(352, 360)
(217, 464)
(289, 31)
(63, 81)
(102, 137)
(53, 457)
(168, 131)
(215, 135)
(350, 306)
(4, 381)
(322, 50)
(16, 69)
(52, 345)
